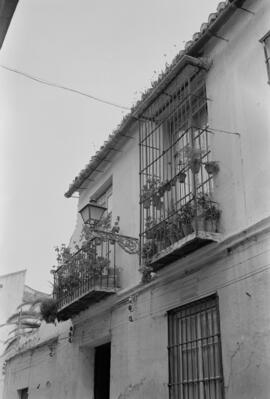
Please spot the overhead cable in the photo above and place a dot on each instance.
(58, 86)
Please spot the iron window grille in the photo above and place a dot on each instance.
(174, 145)
(265, 40)
(195, 361)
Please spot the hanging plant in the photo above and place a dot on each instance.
(193, 157)
(195, 165)
(211, 167)
(166, 185)
(181, 177)
(149, 249)
(173, 181)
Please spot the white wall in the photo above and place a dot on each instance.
(124, 171)
(240, 102)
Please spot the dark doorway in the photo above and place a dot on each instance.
(23, 393)
(102, 371)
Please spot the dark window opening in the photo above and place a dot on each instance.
(102, 371)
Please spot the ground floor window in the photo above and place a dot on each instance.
(195, 364)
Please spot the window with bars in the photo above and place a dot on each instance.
(265, 40)
(174, 147)
(194, 349)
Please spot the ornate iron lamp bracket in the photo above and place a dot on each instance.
(128, 244)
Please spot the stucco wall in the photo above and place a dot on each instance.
(124, 172)
(11, 294)
(240, 102)
(139, 359)
(139, 348)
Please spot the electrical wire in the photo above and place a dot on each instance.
(58, 86)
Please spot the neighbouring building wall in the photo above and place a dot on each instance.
(34, 363)
(7, 8)
(11, 294)
(239, 103)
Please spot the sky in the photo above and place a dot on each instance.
(111, 50)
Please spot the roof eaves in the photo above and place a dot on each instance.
(215, 20)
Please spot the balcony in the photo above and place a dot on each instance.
(87, 277)
(193, 226)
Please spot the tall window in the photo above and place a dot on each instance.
(265, 40)
(174, 146)
(195, 366)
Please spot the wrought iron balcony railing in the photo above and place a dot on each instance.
(185, 229)
(88, 276)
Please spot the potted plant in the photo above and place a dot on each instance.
(166, 185)
(211, 167)
(146, 197)
(149, 249)
(174, 227)
(48, 310)
(181, 177)
(186, 217)
(150, 193)
(212, 217)
(193, 158)
(160, 230)
(149, 223)
(173, 232)
(147, 272)
(195, 164)
(99, 265)
(157, 201)
(208, 213)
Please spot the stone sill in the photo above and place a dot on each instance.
(183, 247)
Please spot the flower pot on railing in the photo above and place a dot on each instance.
(173, 181)
(181, 177)
(211, 167)
(98, 241)
(167, 185)
(187, 229)
(175, 233)
(186, 217)
(147, 203)
(149, 249)
(157, 202)
(208, 214)
(195, 165)
(204, 224)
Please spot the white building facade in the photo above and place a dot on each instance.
(187, 172)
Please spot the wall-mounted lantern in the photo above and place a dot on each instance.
(91, 213)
